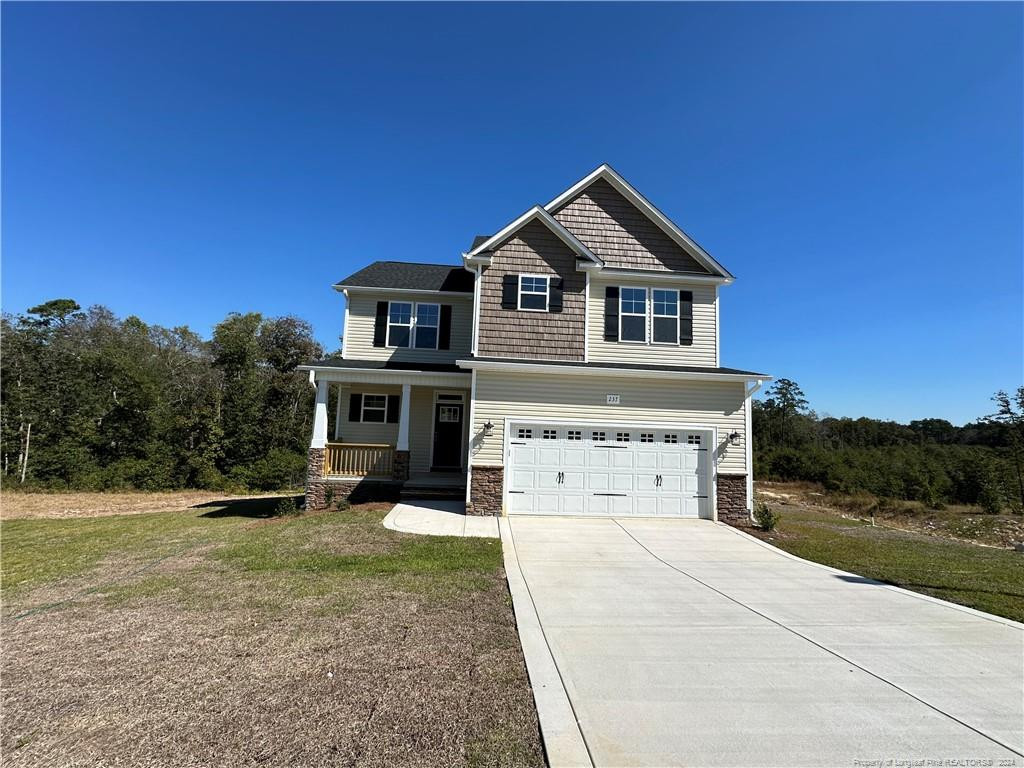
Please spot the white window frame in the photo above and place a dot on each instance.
(646, 314)
(676, 317)
(412, 325)
(547, 293)
(363, 408)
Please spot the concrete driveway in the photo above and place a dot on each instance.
(672, 642)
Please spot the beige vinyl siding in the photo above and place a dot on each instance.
(362, 312)
(701, 352)
(421, 422)
(502, 396)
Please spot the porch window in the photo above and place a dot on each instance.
(399, 323)
(375, 408)
(533, 293)
(666, 316)
(633, 314)
(425, 329)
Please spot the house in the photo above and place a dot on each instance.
(568, 366)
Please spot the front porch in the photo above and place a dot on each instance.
(387, 433)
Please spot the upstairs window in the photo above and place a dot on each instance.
(425, 328)
(666, 316)
(399, 323)
(633, 314)
(533, 293)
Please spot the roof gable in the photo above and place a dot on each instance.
(539, 214)
(618, 223)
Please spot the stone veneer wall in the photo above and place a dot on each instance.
(732, 499)
(485, 491)
(356, 491)
(400, 467)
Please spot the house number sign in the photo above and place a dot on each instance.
(613, 399)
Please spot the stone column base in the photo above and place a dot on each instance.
(316, 488)
(485, 490)
(732, 499)
(400, 467)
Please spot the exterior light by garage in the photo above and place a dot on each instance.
(734, 438)
(488, 428)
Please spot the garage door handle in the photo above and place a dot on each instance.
(608, 494)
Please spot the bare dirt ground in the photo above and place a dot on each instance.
(221, 636)
(15, 504)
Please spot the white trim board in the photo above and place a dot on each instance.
(576, 370)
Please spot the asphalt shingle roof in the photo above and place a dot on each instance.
(626, 366)
(419, 277)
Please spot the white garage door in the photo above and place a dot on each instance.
(607, 470)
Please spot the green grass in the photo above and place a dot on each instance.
(985, 578)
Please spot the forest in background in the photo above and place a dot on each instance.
(99, 403)
(929, 460)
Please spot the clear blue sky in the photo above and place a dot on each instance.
(857, 166)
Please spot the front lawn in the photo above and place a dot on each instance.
(987, 578)
(219, 635)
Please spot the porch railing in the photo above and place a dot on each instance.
(358, 459)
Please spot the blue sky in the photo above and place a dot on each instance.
(858, 167)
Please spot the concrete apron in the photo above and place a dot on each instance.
(687, 642)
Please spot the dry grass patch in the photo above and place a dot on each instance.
(72, 504)
(320, 640)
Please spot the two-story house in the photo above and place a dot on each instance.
(568, 366)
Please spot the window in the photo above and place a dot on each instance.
(597, 437)
(574, 434)
(425, 331)
(633, 314)
(525, 434)
(413, 325)
(399, 323)
(693, 439)
(646, 437)
(671, 438)
(375, 408)
(622, 437)
(665, 323)
(533, 293)
(444, 396)
(449, 414)
(550, 434)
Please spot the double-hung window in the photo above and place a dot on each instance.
(633, 314)
(413, 325)
(375, 408)
(665, 320)
(533, 293)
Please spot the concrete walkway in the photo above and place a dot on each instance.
(440, 518)
(672, 642)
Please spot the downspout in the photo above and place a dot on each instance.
(749, 443)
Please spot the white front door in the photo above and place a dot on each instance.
(555, 469)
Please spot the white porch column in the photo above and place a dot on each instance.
(403, 419)
(320, 416)
(337, 411)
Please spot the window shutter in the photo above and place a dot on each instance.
(380, 325)
(392, 413)
(355, 408)
(444, 333)
(611, 313)
(555, 294)
(510, 292)
(686, 317)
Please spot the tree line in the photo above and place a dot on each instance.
(927, 460)
(91, 401)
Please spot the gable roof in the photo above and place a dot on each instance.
(627, 190)
(537, 213)
(404, 275)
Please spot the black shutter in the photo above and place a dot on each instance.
(611, 313)
(510, 292)
(393, 401)
(444, 333)
(686, 317)
(380, 325)
(355, 407)
(555, 294)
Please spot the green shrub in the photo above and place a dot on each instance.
(328, 496)
(342, 504)
(286, 507)
(765, 517)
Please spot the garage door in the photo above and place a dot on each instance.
(607, 470)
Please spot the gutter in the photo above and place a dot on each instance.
(576, 370)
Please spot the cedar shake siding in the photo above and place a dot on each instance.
(617, 232)
(514, 333)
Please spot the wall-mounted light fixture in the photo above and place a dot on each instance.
(488, 428)
(734, 438)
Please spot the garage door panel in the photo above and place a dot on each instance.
(632, 471)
